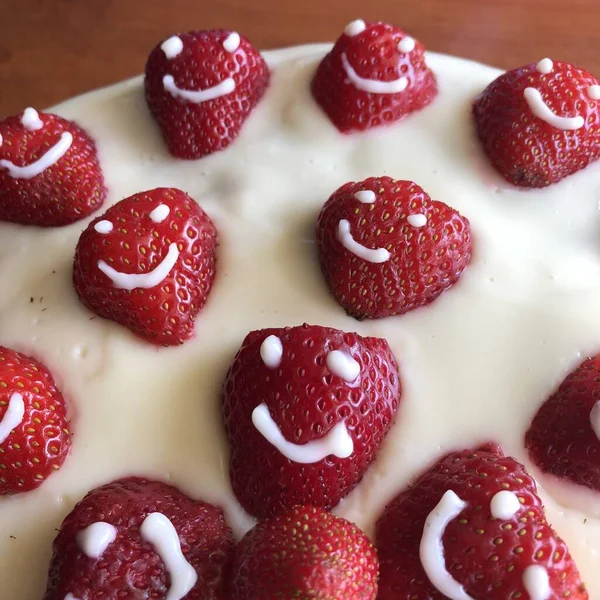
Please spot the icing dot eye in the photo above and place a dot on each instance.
(355, 27)
(418, 220)
(103, 226)
(594, 92)
(365, 196)
(160, 213)
(271, 351)
(545, 66)
(172, 47)
(407, 45)
(232, 43)
(504, 505)
(343, 365)
(31, 120)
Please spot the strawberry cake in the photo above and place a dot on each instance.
(320, 323)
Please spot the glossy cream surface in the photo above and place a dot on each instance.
(475, 365)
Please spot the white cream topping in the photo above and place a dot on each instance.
(336, 442)
(417, 220)
(70, 597)
(366, 196)
(13, 416)
(132, 281)
(355, 27)
(343, 365)
(172, 47)
(595, 419)
(160, 213)
(545, 66)
(1, 139)
(594, 92)
(542, 111)
(95, 539)
(373, 86)
(271, 351)
(406, 44)
(377, 255)
(31, 120)
(197, 96)
(536, 582)
(431, 550)
(51, 157)
(504, 505)
(103, 226)
(158, 530)
(232, 43)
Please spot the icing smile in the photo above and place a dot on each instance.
(198, 96)
(542, 111)
(377, 255)
(373, 86)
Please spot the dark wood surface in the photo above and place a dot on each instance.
(53, 49)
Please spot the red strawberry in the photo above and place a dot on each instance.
(109, 546)
(374, 75)
(473, 526)
(539, 123)
(385, 247)
(201, 87)
(306, 409)
(306, 554)
(49, 171)
(148, 263)
(34, 430)
(563, 436)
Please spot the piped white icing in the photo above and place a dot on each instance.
(545, 66)
(50, 158)
(158, 530)
(95, 539)
(232, 43)
(431, 549)
(13, 416)
(343, 365)
(1, 139)
(366, 196)
(417, 220)
(504, 505)
(542, 111)
(595, 419)
(536, 582)
(103, 226)
(593, 92)
(271, 351)
(336, 441)
(131, 281)
(355, 27)
(197, 96)
(406, 44)
(31, 120)
(373, 86)
(172, 47)
(377, 255)
(160, 213)
(70, 597)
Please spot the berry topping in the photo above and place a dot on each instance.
(49, 171)
(148, 263)
(306, 409)
(540, 123)
(34, 431)
(385, 247)
(473, 527)
(307, 554)
(140, 539)
(201, 87)
(374, 75)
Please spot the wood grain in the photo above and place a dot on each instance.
(53, 49)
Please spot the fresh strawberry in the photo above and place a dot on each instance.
(201, 87)
(34, 430)
(385, 247)
(306, 409)
(49, 171)
(473, 526)
(539, 123)
(148, 263)
(563, 438)
(123, 558)
(307, 554)
(374, 75)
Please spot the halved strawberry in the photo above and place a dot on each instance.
(305, 410)
(374, 75)
(473, 527)
(135, 538)
(34, 429)
(540, 123)
(49, 171)
(385, 247)
(306, 554)
(148, 263)
(201, 86)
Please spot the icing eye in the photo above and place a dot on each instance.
(365, 196)
(355, 27)
(343, 365)
(103, 226)
(504, 505)
(594, 92)
(172, 47)
(545, 66)
(31, 120)
(407, 45)
(160, 213)
(271, 351)
(232, 43)
(417, 220)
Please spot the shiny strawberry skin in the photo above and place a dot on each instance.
(69, 190)
(39, 445)
(560, 439)
(526, 150)
(130, 567)
(307, 554)
(487, 556)
(163, 314)
(425, 261)
(196, 130)
(373, 54)
(306, 401)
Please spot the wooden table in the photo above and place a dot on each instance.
(53, 49)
